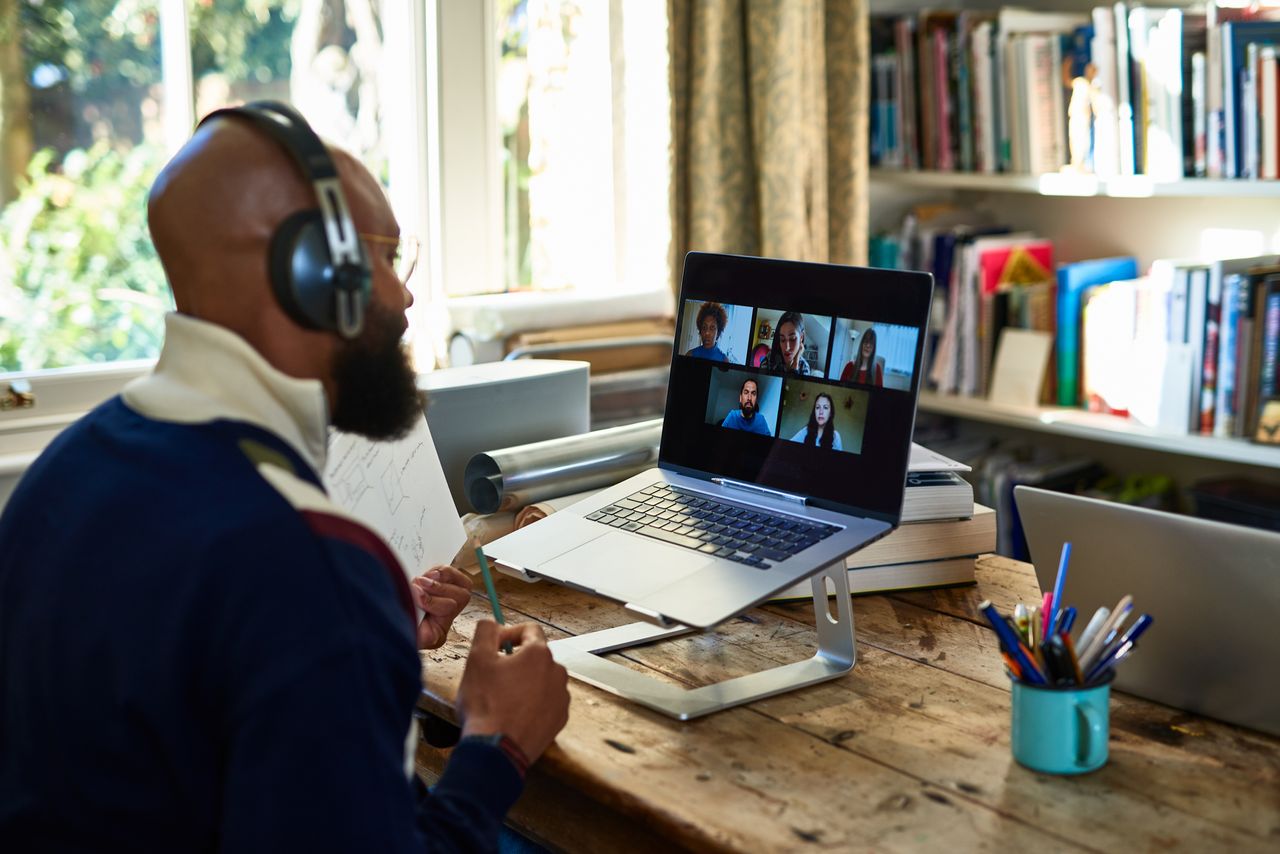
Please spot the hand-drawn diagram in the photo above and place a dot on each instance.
(398, 489)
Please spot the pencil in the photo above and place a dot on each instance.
(493, 594)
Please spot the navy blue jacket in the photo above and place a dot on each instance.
(190, 662)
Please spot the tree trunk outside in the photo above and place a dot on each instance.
(15, 100)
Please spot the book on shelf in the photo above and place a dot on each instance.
(1124, 89)
(1240, 80)
(919, 554)
(1073, 281)
(1177, 348)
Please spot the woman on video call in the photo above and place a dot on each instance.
(865, 369)
(821, 429)
(712, 319)
(788, 344)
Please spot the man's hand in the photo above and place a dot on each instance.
(524, 696)
(442, 592)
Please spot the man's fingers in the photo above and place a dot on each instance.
(486, 636)
(449, 575)
(445, 605)
(522, 634)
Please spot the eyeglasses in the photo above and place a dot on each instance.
(406, 253)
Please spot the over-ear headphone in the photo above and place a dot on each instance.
(316, 262)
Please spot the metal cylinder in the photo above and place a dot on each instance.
(509, 478)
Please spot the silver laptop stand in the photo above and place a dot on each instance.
(837, 652)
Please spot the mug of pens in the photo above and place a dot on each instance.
(1061, 683)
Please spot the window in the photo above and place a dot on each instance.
(103, 94)
(572, 191)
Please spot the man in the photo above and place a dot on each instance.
(748, 416)
(198, 650)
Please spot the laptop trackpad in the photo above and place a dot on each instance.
(624, 567)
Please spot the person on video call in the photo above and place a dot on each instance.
(712, 320)
(865, 369)
(201, 651)
(788, 345)
(820, 432)
(747, 416)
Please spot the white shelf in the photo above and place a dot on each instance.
(1097, 427)
(1063, 184)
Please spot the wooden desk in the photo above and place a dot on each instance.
(908, 752)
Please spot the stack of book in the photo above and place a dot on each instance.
(1123, 89)
(943, 532)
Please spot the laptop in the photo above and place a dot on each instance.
(1213, 590)
(782, 452)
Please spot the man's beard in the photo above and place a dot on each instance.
(375, 384)
(748, 411)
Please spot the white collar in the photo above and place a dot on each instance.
(206, 372)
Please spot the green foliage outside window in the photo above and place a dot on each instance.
(83, 280)
(79, 278)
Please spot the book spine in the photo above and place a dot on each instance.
(1124, 103)
(1249, 113)
(1230, 105)
(942, 100)
(1268, 109)
(1209, 366)
(1270, 344)
(1199, 112)
(1197, 305)
(1106, 142)
(1224, 422)
(963, 73)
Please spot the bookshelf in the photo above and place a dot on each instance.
(1086, 186)
(1087, 217)
(1098, 427)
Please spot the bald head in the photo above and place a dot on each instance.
(212, 212)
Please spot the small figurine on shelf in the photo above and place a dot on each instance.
(1080, 113)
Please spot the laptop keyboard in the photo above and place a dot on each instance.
(741, 534)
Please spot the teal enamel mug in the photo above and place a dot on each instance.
(1061, 730)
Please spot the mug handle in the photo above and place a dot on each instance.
(1092, 747)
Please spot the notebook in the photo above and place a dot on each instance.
(771, 466)
(1212, 589)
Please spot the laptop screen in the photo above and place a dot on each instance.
(797, 377)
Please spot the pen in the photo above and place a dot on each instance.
(1075, 662)
(1109, 662)
(1130, 636)
(1067, 619)
(1055, 613)
(1098, 620)
(1090, 656)
(1046, 614)
(493, 594)
(1033, 627)
(1013, 646)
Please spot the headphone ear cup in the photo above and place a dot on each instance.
(302, 274)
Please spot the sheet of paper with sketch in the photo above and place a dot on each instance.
(397, 488)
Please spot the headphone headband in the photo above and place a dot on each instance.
(346, 271)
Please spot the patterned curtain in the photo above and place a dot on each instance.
(769, 153)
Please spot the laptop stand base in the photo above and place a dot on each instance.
(837, 653)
